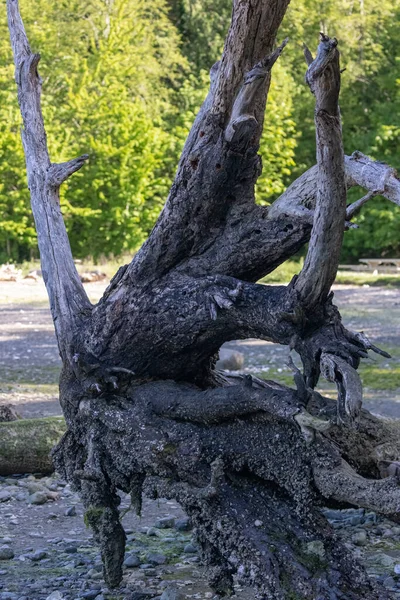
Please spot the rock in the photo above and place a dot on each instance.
(152, 532)
(183, 524)
(384, 560)
(38, 498)
(156, 559)
(165, 523)
(8, 596)
(172, 594)
(91, 594)
(389, 582)
(6, 553)
(55, 596)
(190, 549)
(396, 569)
(132, 561)
(258, 523)
(360, 538)
(5, 496)
(388, 533)
(38, 555)
(71, 549)
(230, 360)
(70, 512)
(91, 276)
(142, 595)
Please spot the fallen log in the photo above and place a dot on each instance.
(25, 444)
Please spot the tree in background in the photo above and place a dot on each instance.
(133, 119)
(111, 69)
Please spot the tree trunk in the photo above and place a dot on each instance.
(251, 462)
(26, 444)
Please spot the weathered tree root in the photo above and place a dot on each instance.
(261, 481)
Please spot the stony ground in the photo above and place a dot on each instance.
(46, 552)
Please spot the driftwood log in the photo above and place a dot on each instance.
(251, 462)
(26, 444)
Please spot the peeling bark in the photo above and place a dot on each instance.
(251, 462)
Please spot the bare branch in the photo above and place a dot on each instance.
(58, 173)
(319, 271)
(68, 300)
(243, 122)
(251, 37)
(375, 176)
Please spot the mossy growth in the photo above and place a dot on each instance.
(93, 515)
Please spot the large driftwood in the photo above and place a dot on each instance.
(147, 412)
(26, 444)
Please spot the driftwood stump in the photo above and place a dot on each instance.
(251, 462)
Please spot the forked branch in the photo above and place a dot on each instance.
(320, 267)
(68, 300)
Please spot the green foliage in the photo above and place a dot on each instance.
(123, 80)
(110, 71)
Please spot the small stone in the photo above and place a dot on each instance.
(151, 531)
(172, 594)
(389, 582)
(71, 549)
(384, 560)
(6, 553)
(70, 512)
(5, 496)
(258, 523)
(165, 523)
(55, 596)
(359, 538)
(38, 555)
(91, 594)
(230, 360)
(34, 487)
(142, 595)
(183, 524)
(396, 569)
(38, 498)
(156, 559)
(190, 549)
(396, 530)
(132, 561)
(388, 533)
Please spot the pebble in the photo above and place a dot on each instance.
(172, 594)
(389, 582)
(6, 553)
(190, 549)
(156, 559)
(71, 549)
(132, 561)
(91, 594)
(55, 596)
(38, 498)
(38, 555)
(70, 512)
(360, 538)
(165, 523)
(183, 524)
(5, 496)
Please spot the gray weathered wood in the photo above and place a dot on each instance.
(145, 408)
